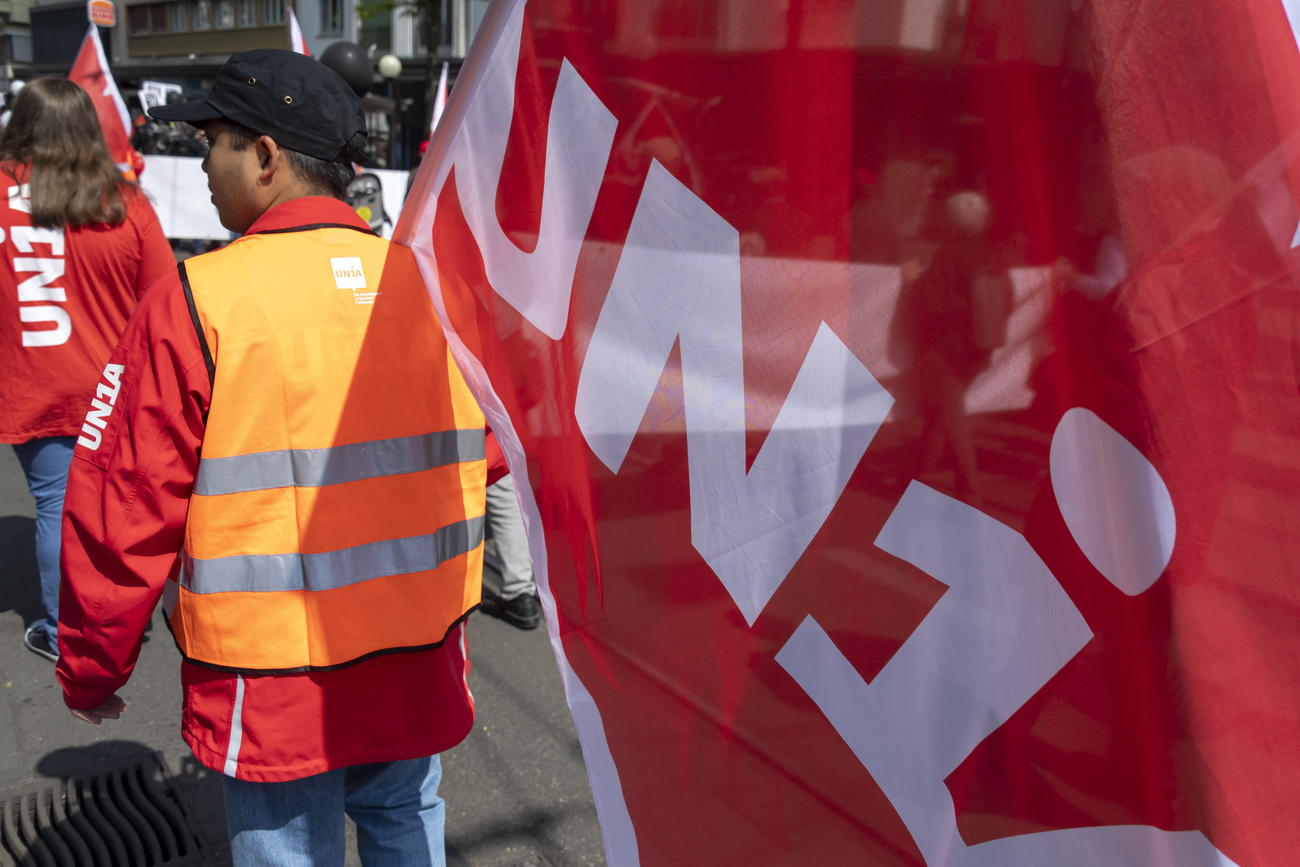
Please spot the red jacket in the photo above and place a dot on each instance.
(124, 519)
(65, 296)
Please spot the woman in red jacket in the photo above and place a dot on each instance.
(80, 246)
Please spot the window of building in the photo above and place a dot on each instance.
(180, 16)
(145, 19)
(225, 14)
(139, 19)
(203, 15)
(247, 13)
(377, 30)
(272, 11)
(331, 17)
(477, 9)
(445, 31)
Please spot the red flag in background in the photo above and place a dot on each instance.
(907, 398)
(90, 70)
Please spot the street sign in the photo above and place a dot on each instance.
(101, 13)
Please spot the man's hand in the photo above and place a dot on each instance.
(111, 708)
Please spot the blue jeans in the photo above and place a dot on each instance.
(396, 807)
(45, 462)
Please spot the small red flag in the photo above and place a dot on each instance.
(296, 40)
(90, 70)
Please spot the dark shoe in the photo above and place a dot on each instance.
(522, 611)
(38, 642)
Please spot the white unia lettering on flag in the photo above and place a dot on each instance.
(1003, 629)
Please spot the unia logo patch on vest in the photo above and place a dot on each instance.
(348, 274)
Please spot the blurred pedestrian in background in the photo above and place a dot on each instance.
(517, 603)
(81, 245)
(957, 310)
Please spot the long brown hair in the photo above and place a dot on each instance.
(72, 179)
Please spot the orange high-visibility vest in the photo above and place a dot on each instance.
(339, 504)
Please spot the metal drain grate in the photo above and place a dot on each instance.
(124, 816)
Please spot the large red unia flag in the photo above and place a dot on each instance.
(903, 401)
(90, 70)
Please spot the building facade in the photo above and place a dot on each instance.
(15, 37)
(185, 42)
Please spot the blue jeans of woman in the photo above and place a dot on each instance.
(45, 462)
(396, 807)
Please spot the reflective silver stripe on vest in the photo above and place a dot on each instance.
(314, 468)
(236, 730)
(268, 573)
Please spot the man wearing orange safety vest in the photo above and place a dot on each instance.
(290, 459)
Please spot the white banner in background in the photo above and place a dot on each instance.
(154, 93)
(178, 189)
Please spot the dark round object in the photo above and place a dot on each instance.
(349, 60)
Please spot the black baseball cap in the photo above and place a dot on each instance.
(300, 102)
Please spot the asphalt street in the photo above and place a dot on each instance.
(516, 789)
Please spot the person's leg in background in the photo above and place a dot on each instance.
(293, 824)
(45, 462)
(400, 817)
(518, 603)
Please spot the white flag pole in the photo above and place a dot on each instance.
(440, 101)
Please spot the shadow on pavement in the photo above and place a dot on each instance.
(525, 702)
(533, 831)
(20, 582)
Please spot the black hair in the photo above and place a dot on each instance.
(328, 178)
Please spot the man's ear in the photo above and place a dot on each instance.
(269, 157)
